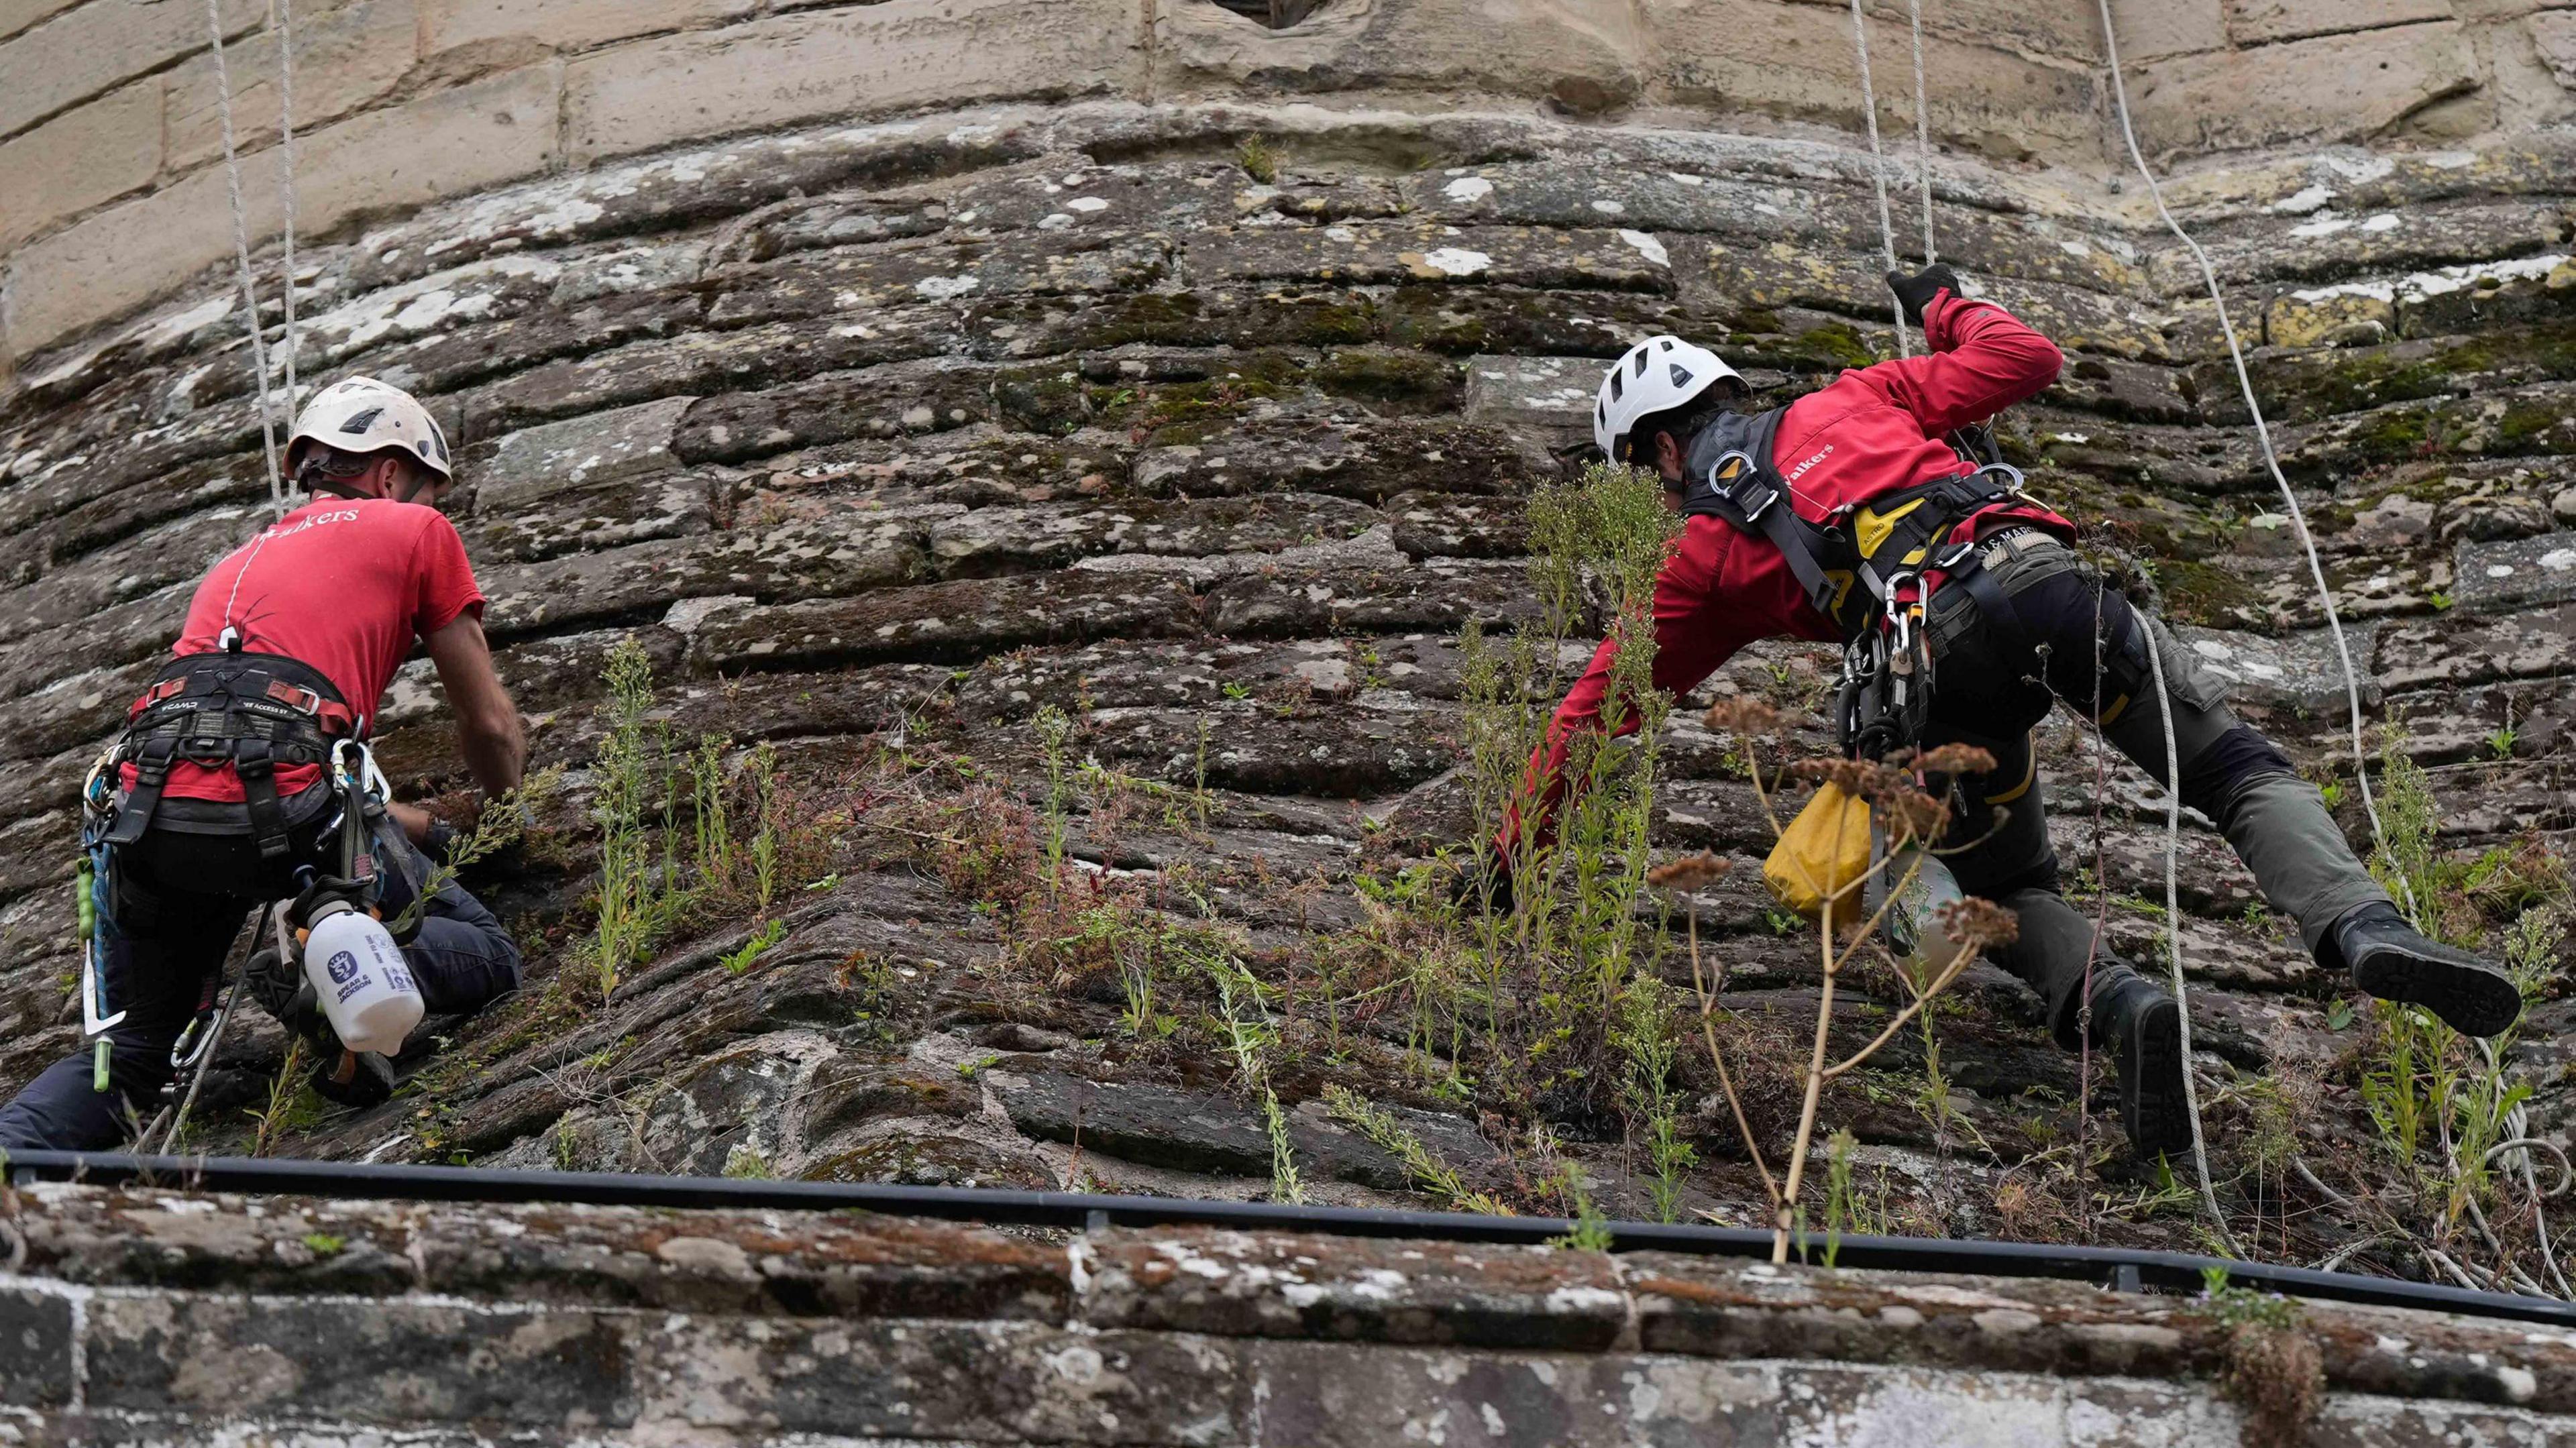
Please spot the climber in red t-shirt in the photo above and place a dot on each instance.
(1828, 518)
(221, 798)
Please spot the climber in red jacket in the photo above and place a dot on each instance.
(1847, 516)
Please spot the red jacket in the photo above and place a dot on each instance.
(1868, 432)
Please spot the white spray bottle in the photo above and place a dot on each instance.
(1912, 929)
(360, 979)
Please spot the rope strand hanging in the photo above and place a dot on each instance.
(2518, 1118)
(286, 180)
(2173, 831)
(1878, 161)
(1922, 134)
(177, 1114)
(2262, 434)
(241, 259)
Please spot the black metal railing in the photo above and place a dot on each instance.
(2121, 1268)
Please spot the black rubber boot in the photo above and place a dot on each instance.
(2143, 1028)
(2390, 959)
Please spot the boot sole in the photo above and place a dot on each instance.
(2470, 999)
(2154, 1107)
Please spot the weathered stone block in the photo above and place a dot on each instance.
(112, 636)
(1236, 1284)
(2473, 650)
(2329, 318)
(1554, 392)
(1715, 1308)
(36, 1338)
(95, 47)
(603, 447)
(864, 402)
(742, 1263)
(979, 1382)
(1799, 60)
(2152, 28)
(2516, 572)
(170, 554)
(80, 160)
(1366, 253)
(2301, 673)
(995, 540)
(592, 516)
(2260, 22)
(1332, 1395)
(358, 1359)
(17, 15)
(390, 159)
(1582, 54)
(2339, 87)
(87, 706)
(347, 58)
(447, 25)
(656, 364)
(869, 279)
(1435, 597)
(840, 63)
(1349, 457)
(2553, 35)
(1358, 755)
(966, 620)
(846, 550)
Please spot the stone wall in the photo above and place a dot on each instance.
(880, 435)
(112, 192)
(931, 423)
(150, 1317)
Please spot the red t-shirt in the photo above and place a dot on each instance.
(344, 586)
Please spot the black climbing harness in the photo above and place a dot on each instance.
(258, 713)
(255, 712)
(1866, 566)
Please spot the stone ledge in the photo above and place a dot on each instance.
(718, 1322)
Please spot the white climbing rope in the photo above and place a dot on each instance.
(2325, 598)
(241, 259)
(286, 179)
(2173, 943)
(2262, 433)
(1878, 162)
(1922, 138)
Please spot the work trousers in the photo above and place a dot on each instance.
(2061, 633)
(175, 903)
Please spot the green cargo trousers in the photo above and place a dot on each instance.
(2065, 634)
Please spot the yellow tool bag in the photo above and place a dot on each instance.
(1824, 849)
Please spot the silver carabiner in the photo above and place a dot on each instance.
(366, 779)
(195, 1041)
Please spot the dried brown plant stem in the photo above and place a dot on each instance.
(1725, 1079)
(1922, 999)
(1785, 1207)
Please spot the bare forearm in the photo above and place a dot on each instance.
(496, 751)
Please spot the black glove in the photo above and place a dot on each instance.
(278, 984)
(354, 1079)
(1917, 291)
(442, 838)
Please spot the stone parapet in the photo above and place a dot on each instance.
(135, 1315)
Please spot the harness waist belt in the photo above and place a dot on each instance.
(255, 712)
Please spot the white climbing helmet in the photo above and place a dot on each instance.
(362, 415)
(1657, 375)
